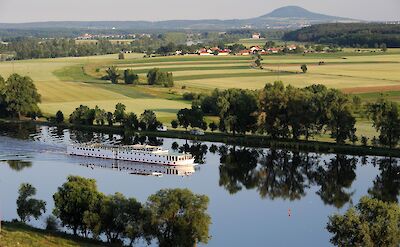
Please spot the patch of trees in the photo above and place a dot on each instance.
(173, 217)
(157, 77)
(370, 223)
(84, 115)
(113, 74)
(283, 112)
(27, 48)
(372, 35)
(18, 97)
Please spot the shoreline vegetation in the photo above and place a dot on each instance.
(23, 235)
(242, 140)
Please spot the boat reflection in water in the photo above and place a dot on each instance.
(137, 168)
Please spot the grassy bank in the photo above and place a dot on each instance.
(18, 234)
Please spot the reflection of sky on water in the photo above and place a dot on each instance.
(242, 218)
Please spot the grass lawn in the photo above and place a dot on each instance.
(16, 234)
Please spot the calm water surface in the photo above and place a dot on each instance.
(258, 197)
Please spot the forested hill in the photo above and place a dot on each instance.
(349, 34)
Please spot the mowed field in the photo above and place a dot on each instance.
(352, 72)
(65, 83)
(62, 86)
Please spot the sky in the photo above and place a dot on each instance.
(12, 11)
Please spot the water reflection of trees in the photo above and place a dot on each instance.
(335, 177)
(197, 150)
(18, 165)
(287, 175)
(386, 185)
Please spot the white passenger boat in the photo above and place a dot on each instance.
(135, 153)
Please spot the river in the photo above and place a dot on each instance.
(258, 197)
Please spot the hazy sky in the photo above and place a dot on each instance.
(74, 10)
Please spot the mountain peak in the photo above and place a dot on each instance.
(298, 13)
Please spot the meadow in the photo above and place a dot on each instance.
(65, 83)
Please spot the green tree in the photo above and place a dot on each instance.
(371, 223)
(73, 199)
(174, 124)
(386, 120)
(272, 117)
(384, 47)
(20, 95)
(100, 116)
(341, 121)
(179, 217)
(131, 122)
(82, 115)
(148, 120)
(213, 126)
(157, 77)
(113, 74)
(110, 118)
(59, 117)
(119, 113)
(237, 108)
(27, 206)
(130, 77)
(183, 117)
(304, 68)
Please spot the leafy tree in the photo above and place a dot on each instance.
(113, 74)
(386, 120)
(384, 47)
(20, 95)
(183, 117)
(121, 56)
(157, 77)
(237, 110)
(100, 116)
(174, 124)
(114, 215)
(304, 68)
(370, 223)
(59, 117)
(27, 206)
(119, 113)
(273, 117)
(149, 120)
(82, 115)
(51, 223)
(73, 199)
(130, 77)
(341, 122)
(110, 118)
(179, 217)
(131, 122)
(213, 126)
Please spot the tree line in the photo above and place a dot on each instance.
(154, 77)
(287, 112)
(84, 115)
(174, 217)
(371, 35)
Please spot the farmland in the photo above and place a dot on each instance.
(65, 83)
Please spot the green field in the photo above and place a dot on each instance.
(65, 83)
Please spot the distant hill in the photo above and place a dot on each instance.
(299, 13)
(286, 17)
(349, 34)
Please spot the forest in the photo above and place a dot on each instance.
(371, 35)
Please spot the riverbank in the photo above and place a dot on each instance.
(19, 234)
(240, 140)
